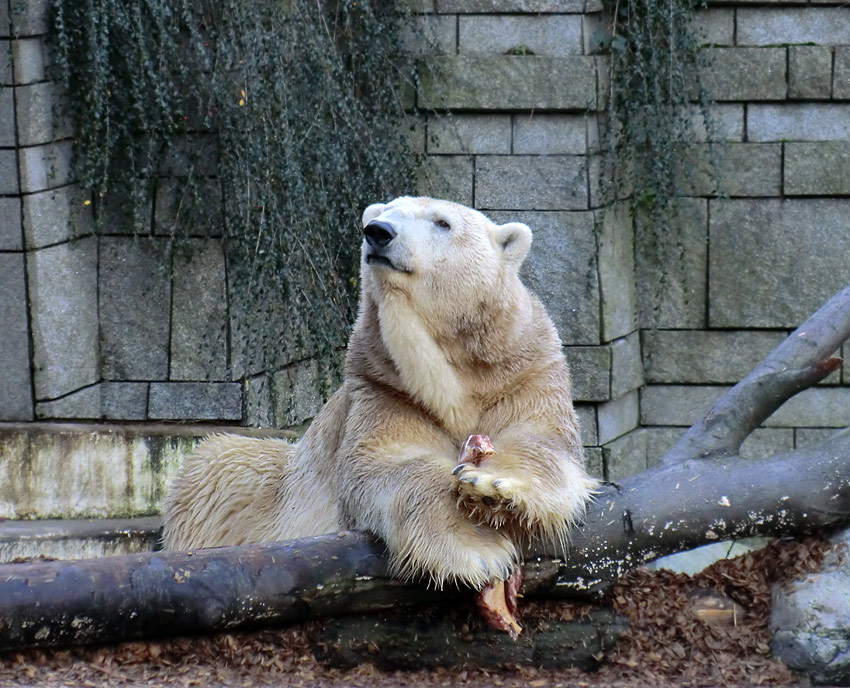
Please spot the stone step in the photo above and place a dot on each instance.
(77, 538)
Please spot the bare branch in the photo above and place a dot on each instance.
(800, 361)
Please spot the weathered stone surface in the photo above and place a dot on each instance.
(555, 35)
(296, 395)
(557, 182)
(181, 209)
(56, 215)
(509, 83)
(83, 404)
(704, 357)
(258, 402)
(449, 134)
(561, 270)
(625, 456)
(538, 134)
(590, 369)
(447, 176)
(195, 401)
(616, 271)
(7, 117)
(724, 122)
(189, 155)
(63, 306)
(676, 404)
(134, 295)
(659, 440)
(481, 6)
(6, 73)
(798, 122)
(16, 397)
(745, 73)
(730, 169)
(430, 35)
(28, 58)
(124, 400)
(75, 471)
(8, 172)
(810, 437)
(773, 262)
(11, 227)
(809, 620)
(594, 462)
(38, 118)
(616, 418)
(199, 312)
(764, 442)
(626, 365)
(714, 26)
(815, 407)
(819, 168)
(841, 73)
(30, 18)
(769, 26)
(5, 21)
(45, 167)
(810, 72)
(586, 414)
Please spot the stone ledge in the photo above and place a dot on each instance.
(817, 168)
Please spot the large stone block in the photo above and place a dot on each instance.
(63, 304)
(430, 35)
(38, 116)
(723, 122)
(134, 308)
(447, 176)
(616, 271)
(773, 25)
(296, 394)
(671, 265)
(484, 6)
(625, 456)
(730, 169)
(561, 270)
(9, 172)
(810, 72)
(7, 118)
(798, 122)
(181, 208)
(6, 68)
(590, 370)
(681, 405)
(451, 134)
(557, 182)
(29, 62)
(11, 227)
(537, 134)
(816, 407)
(83, 404)
(626, 365)
(45, 167)
(124, 400)
(745, 74)
(554, 35)
(525, 82)
(586, 415)
(617, 417)
(195, 401)
(703, 356)
(16, 397)
(29, 18)
(714, 26)
(818, 168)
(199, 312)
(841, 73)
(775, 262)
(258, 402)
(594, 462)
(57, 215)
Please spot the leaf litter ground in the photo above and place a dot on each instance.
(668, 642)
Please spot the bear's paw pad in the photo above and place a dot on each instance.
(477, 485)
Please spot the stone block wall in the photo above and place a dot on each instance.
(770, 244)
(507, 116)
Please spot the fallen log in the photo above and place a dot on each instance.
(703, 492)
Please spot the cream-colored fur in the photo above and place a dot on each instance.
(447, 343)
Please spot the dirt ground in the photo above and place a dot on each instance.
(706, 630)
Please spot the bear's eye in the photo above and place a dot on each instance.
(442, 224)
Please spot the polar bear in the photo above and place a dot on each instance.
(448, 343)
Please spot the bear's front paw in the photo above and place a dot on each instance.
(484, 492)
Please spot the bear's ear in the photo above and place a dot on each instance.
(372, 212)
(515, 239)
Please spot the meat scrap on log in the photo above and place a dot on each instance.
(701, 492)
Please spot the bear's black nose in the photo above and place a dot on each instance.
(379, 234)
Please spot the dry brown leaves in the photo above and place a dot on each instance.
(666, 644)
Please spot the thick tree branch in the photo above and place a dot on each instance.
(800, 361)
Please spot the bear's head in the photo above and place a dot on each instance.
(442, 255)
